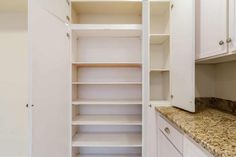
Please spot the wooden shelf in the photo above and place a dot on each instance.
(158, 38)
(107, 140)
(107, 83)
(107, 102)
(119, 30)
(107, 120)
(159, 70)
(107, 64)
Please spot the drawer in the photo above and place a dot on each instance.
(171, 133)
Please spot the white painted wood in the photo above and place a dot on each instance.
(107, 64)
(192, 150)
(115, 30)
(60, 11)
(49, 55)
(183, 54)
(107, 83)
(107, 140)
(159, 17)
(106, 102)
(232, 26)
(175, 137)
(104, 12)
(108, 74)
(159, 86)
(166, 149)
(109, 156)
(211, 28)
(107, 120)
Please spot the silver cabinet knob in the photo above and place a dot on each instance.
(221, 42)
(229, 40)
(150, 105)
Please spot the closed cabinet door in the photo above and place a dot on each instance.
(211, 27)
(232, 26)
(165, 148)
(49, 85)
(182, 57)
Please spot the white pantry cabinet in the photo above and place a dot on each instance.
(98, 68)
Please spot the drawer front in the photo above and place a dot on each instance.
(171, 133)
(166, 148)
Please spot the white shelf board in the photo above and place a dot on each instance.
(107, 120)
(107, 83)
(159, 70)
(107, 0)
(107, 64)
(92, 155)
(107, 140)
(106, 102)
(119, 30)
(158, 38)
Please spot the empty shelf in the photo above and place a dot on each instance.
(92, 155)
(106, 83)
(159, 70)
(158, 38)
(106, 102)
(107, 120)
(107, 140)
(107, 64)
(119, 30)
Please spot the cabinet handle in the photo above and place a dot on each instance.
(221, 42)
(68, 2)
(68, 18)
(167, 130)
(150, 105)
(229, 40)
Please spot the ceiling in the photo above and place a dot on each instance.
(13, 5)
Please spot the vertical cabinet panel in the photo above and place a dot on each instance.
(182, 54)
(232, 26)
(49, 58)
(59, 8)
(211, 28)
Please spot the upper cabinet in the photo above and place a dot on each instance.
(211, 28)
(232, 26)
(215, 31)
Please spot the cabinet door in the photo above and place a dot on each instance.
(182, 64)
(49, 84)
(211, 28)
(232, 26)
(165, 148)
(59, 8)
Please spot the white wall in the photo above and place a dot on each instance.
(13, 84)
(226, 81)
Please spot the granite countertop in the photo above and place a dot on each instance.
(214, 130)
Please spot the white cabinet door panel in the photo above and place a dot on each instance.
(213, 27)
(166, 149)
(232, 26)
(183, 54)
(49, 55)
(59, 8)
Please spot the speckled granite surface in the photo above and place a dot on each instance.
(214, 130)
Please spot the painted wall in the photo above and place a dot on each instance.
(13, 84)
(226, 81)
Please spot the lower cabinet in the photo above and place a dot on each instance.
(173, 143)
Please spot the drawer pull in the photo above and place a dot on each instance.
(167, 130)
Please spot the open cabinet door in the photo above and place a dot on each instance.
(49, 83)
(183, 54)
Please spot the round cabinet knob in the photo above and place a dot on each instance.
(221, 42)
(229, 40)
(150, 105)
